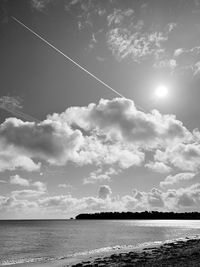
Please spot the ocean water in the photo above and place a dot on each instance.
(49, 240)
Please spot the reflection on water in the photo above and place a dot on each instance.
(164, 223)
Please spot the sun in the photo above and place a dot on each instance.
(161, 91)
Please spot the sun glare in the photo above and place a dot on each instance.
(161, 91)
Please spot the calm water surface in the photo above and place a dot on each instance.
(32, 241)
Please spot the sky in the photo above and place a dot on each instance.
(122, 135)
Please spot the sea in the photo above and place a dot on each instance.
(33, 242)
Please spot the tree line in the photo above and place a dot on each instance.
(145, 215)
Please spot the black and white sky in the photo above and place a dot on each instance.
(69, 143)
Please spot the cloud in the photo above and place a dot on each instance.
(40, 5)
(120, 120)
(86, 12)
(121, 30)
(138, 45)
(3, 182)
(158, 167)
(183, 156)
(112, 132)
(136, 40)
(17, 180)
(63, 185)
(176, 200)
(166, 64)
(185, 201)
(67, 187)
(99, 175)
(27, 194)
(155, 198)
(40, 186)
(47, 140)
(171, 180)
(104, 192)
(189, 197)
(118, 16)
(11, 102)
(182, 199)
(187, 60)
(13, 105)
(11, 160)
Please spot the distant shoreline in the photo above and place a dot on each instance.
(146, 215)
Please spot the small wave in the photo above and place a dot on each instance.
(25, 260)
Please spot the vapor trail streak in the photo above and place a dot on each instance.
(19, 114)
(67, 57)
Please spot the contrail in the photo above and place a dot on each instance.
(67, 57)
(13, 106)
(19, 113)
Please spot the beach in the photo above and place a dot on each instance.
(65, 243)
(177, 253)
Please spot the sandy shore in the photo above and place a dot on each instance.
(184, 253)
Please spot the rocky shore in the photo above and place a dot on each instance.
(180, 253)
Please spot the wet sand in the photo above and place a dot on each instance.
(182, 253)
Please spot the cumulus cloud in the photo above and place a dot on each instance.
(40, 186)
(182, 199)
(183, 156)
(104, 192)
(185, 200)
(27, 194)
(47, 140)
(11, 160)
(120, 120)
(17, 180)
(174, 179)
(155, 198)
(99, 175)
(112, 132)
(189, 197)
(158, 167)
(171, 199)
(39, 190)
